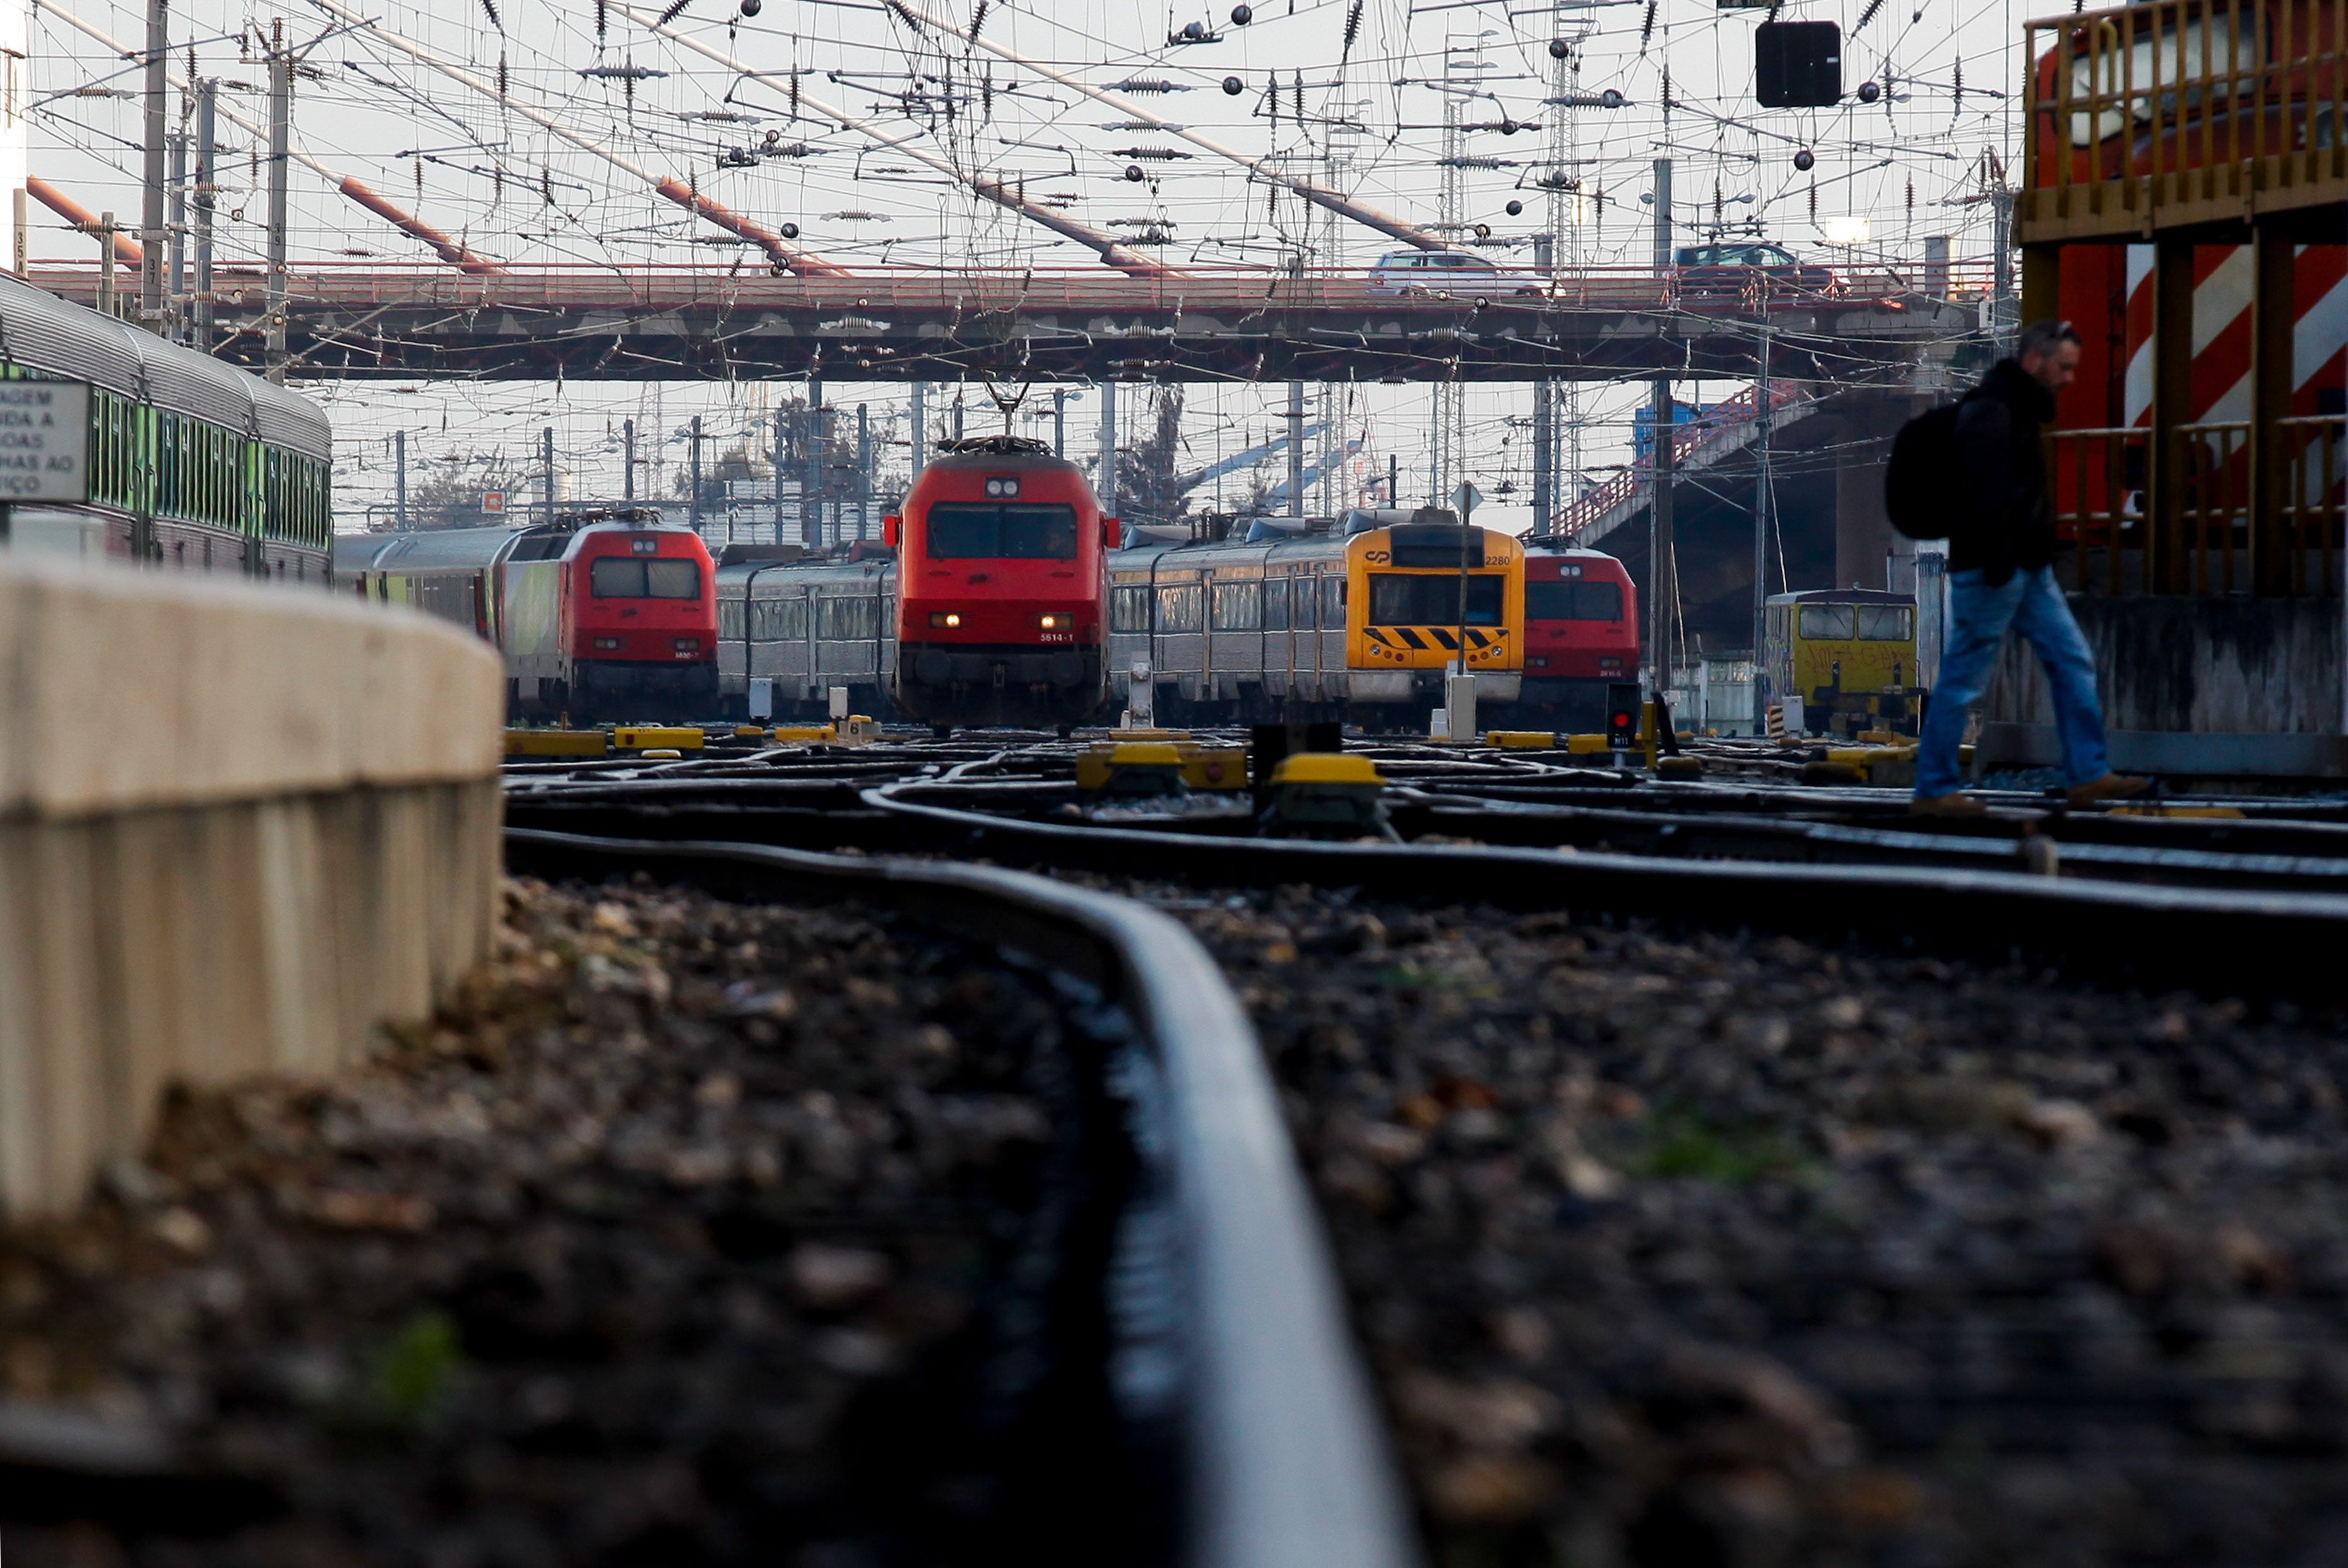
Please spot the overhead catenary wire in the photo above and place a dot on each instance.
(780, 251)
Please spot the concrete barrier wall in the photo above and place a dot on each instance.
(240, 825)
(2204, 665)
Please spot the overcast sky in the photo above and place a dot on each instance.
(1372, 119)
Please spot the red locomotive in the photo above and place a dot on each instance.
(600, 615)
(1002, 576)
(1581, 632)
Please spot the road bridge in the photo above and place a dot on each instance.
(368, 320)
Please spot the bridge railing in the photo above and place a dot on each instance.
(864, 300)
(1714, 423)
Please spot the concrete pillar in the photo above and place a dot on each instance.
(1863, 530)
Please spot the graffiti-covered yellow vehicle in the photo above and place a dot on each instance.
(1849, 654)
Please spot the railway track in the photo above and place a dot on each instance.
(2138, 896)
(756, 1204)
(1676, 1238)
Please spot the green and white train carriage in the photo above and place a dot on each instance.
(193, 464)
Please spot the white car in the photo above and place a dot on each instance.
(1454, 273)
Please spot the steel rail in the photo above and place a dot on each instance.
(1797, 839)
(1288, 1465)
(2162, 937)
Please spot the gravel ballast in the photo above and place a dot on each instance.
(1721, 1250)
(692, 1233)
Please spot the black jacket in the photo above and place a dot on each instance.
(2002, 514)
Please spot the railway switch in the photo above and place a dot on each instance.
(1133, 768)
(1320, 794)
(645, 737)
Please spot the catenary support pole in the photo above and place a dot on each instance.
(863, 470)
(1762, 500)
(920, 430)
(1544, 415)
(399, 479)
(1107, 486)
(206, 197)
(546, 464)
(693, 510)
(1296, 449)
(1660, 586)
(811, 477)
(175, 273)
(280, 136)
(628, 442)
(151, 235)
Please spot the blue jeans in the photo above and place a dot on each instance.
(1978, 615)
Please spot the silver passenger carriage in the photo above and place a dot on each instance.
(1252, 625)
(808, 625)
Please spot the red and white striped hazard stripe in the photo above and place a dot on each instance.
(2222, 279)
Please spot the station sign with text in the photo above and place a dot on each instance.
(44, 442)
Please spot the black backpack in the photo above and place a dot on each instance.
(1919, 483)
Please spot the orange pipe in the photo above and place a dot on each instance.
(457, 255)
(127, 251)
(733, 222)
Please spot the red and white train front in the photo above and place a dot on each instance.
(1002, 577)
(1581, 634)
(639, 622)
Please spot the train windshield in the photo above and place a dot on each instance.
(1886, 623)
(1828, 622)
(965, 530)
(1573, 600)
(1396, 600)
(636, 577)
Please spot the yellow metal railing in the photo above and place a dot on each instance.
(2202, 536)
(2179, 111)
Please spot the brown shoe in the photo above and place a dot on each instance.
(2110, 786)
(1956, 803)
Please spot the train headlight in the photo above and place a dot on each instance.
(1051, 623)
(688, 645)
(608, 644)
(1002, 489)
(944, 618)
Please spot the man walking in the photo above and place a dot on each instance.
(2001, 574)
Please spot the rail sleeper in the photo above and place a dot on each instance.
(300, 843)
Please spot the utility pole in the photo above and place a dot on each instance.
(207, 167)
(781, 465)
(811, 478)
(105, 264)
(692, 510)
(1761, 499)
(151, 221)
(175, 287)
(1296, 449)
(2002, 270)
(546, 461)
(1545, 401)
(1107, 486)
(920, 431)
(628, 442)
(280, 136)
(399, 471)
(1661, 587)
(863, 470)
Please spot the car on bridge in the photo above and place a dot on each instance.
(1736, 268)
(1450, 274)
